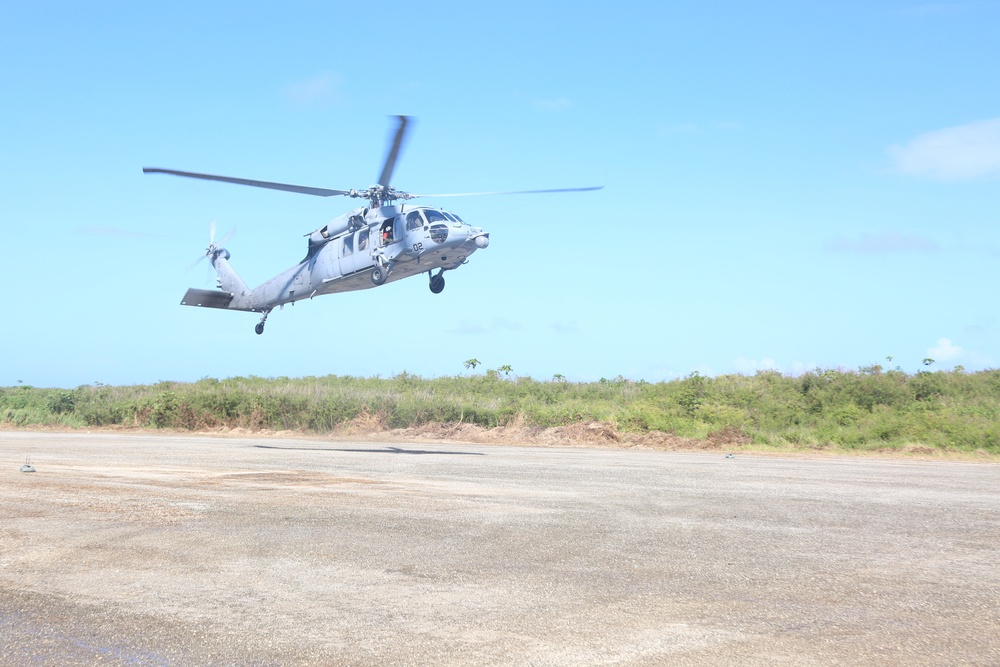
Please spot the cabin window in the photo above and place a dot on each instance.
(388, 233)
(348, 246)
(414, 221)
(362, 239)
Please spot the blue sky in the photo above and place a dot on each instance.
(787, 185)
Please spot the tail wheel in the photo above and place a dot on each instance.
(437, 284)
(378, 275)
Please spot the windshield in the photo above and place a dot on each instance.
(434, 216)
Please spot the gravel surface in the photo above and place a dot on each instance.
(168, 550)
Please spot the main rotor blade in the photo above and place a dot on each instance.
(514, 192)
(301, 189)
(390, 159)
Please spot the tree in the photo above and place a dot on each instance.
(506, 370)
(471, 363)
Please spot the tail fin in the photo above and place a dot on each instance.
(233, 294)
(227, 277)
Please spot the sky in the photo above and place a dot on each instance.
(787, 185)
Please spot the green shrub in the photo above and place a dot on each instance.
(868, 408)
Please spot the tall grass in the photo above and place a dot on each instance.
(869, 408)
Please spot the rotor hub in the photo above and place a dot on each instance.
(380, 195)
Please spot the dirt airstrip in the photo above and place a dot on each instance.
(149, 549)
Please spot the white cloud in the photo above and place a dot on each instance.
(748, 366)
(945, 350)
(891, 241)
(320, 88)
(703, 369)
(800, 368)
(954, 153)
(753, 365)
(978, 360)
(565, 327)
(659, 374)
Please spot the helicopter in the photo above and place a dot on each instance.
(364, 248)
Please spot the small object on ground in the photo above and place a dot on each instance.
(730, 456)
(27, 467)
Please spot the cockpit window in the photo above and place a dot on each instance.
(434, 216)
(414, 221)
(455, 215)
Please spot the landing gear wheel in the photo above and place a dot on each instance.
(378, 275)
(437, 284)
(260, 325)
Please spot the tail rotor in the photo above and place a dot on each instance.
(213, 247)
(213, 250)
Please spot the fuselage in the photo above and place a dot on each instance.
(400, 240)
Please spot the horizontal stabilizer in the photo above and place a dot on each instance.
(207, 298)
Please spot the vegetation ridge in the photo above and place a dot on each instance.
(871, 408)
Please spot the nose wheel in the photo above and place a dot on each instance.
(437, 284)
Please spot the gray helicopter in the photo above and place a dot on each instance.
(366, 247)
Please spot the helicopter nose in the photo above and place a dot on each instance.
(478, 236)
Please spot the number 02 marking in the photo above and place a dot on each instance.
(417, 247)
